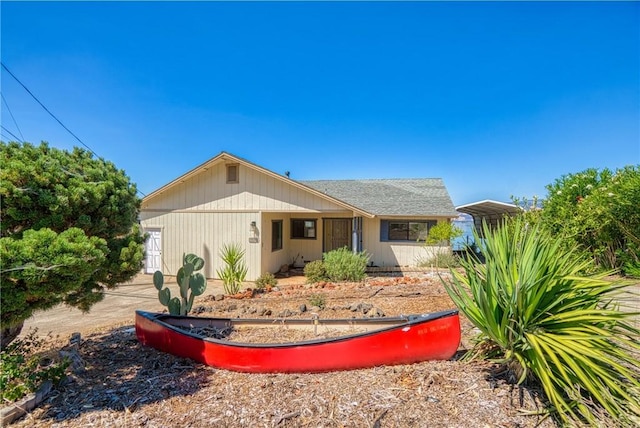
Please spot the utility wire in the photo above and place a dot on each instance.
(11, 133)
(11, 114)
(50, 114)
(47, 110)
(5, 136)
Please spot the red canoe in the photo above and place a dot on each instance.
(386, 341)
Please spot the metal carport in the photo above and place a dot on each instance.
(491, 212)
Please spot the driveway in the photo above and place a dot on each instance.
(117, 307)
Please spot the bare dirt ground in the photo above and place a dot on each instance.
(127, 385)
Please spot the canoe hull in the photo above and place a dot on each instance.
(418, 338)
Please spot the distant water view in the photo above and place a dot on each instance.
(464, 222)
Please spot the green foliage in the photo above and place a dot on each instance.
(190, 283)
(235, 270)
(597, 211)
(43, 267)
(551, 325)
(442, 233)
(314, 272)
(447, 260)
(632, 270)
(23, 371)
(344, 265)
(266, 280)
(319, 300)
(69, 229)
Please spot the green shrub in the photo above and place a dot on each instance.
(597, 211)
(442, 233)
(632, 270)
(344, 265)
(314, 272)
(23, 371)
(549, 324)
(319, 300)
(446, 260)
(266, 280)
(235, 270)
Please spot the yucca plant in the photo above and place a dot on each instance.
(235, 270)
(549, 324)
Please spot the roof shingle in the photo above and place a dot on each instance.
(392, 197)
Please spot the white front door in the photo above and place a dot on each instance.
(153, 251)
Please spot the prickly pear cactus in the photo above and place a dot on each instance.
(191, 284)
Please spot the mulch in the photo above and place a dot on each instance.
(125, 384)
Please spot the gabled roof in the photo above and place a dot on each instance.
(227, 157)
(391, 197)
(369, 198)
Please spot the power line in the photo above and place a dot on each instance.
(12, 134)
(50, 114)
(11, 114)
(47, 110)
(5, 136)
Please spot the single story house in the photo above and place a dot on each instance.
(279, 221)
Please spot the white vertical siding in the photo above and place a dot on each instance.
(255, 191)
(204, 234)
(394, 253)
(272, 260)
(203, 212)
(309, 249)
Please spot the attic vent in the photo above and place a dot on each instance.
(233, 175)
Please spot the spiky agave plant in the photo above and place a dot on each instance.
(551, 324)
(235, 269)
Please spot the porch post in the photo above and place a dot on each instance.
(355, 234)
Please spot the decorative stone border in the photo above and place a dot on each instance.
(398, 269)
(18, 409)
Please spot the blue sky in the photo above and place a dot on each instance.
(496, 98)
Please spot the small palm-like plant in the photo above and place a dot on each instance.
(550, 324)
(235, 270)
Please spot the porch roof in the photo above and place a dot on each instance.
(391, 197)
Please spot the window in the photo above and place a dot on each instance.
(233, 173)
(303, 229)
(276, 235)
(405, 230)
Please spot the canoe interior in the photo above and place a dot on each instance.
(352, 327)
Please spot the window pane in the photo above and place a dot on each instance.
(301, 229)
(297, 229)
(310, 229)
(417, 230)
(406, 230)
(276, 235)
(398, 231)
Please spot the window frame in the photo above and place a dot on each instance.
(277, 235)
(304, 228)
(386, 232)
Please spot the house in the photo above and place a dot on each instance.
(279, 221)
